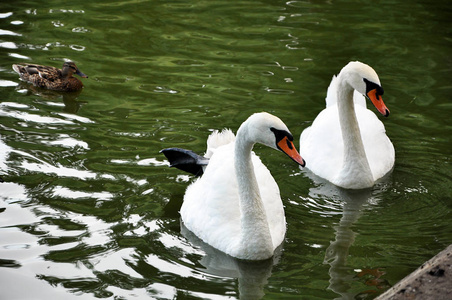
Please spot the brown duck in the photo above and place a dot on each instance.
(51, 78)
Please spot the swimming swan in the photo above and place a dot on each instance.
(347, 144)
(236, 206)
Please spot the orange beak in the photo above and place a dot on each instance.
(378, 102)
(286, 146)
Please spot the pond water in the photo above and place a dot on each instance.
(89, 207)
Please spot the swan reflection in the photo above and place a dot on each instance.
(252, 275)
(343, 278)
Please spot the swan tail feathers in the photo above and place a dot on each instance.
(331, 94)
(186, 160)
(217, 139)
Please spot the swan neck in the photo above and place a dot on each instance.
(255, 233)
(356, 166)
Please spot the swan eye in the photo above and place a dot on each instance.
(373, 86)
(280, 134)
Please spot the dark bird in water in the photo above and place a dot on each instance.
(51, 78)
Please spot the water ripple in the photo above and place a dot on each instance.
(64, 192)
(35, 118)
(58, 170)
(8, 32)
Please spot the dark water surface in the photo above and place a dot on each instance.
(89, 208)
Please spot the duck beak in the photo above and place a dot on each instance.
(378, 102)
(79, 73)
(286, 146)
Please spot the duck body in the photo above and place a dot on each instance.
(235, 206)
(50, 77)
(347, 144)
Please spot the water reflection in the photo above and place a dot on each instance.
(252, 275)
(338, 251)
(342, 276)
(71, 105)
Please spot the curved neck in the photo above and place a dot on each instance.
(255, 234)
(355, 167)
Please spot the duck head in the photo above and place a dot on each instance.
(69, 68)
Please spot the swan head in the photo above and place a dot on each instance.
(365, 80)
(270, 131)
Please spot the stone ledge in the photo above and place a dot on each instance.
(431, 281)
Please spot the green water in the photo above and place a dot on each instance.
(89, 208)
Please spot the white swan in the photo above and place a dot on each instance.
(236, 206)
(347, 144)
